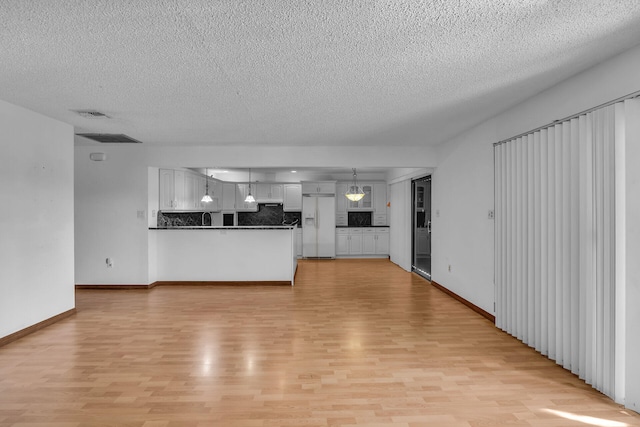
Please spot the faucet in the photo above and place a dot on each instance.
(210, 217)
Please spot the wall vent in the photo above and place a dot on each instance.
(91, 114)
(110, 138)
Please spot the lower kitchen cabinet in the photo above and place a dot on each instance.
(362, 241)
(375, 241)
(348, 241)
(299, 242)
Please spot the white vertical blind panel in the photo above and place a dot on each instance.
(555, 243)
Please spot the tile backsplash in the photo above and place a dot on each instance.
(359, 219)
(266, 215)
(269, 214)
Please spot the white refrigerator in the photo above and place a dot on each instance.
(318, 226)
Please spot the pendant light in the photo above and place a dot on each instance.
(206, 198)
(355, 192)
(249, 198)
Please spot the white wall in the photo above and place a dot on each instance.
(36, 247)
(111, 216)
(400, 249)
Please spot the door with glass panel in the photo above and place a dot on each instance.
(421, 192)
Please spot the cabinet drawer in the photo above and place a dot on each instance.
(342, 219)
(379, 219)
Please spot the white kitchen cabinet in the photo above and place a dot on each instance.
(299, 242)
(183, 191)
(348, 241)
(364, 204)
(292, 198)
(268, 193)
(368, 242)
(375, 241)
(341, 204)
(172, 190)
(319, 187)
(379, 219)
(229, 196)
(382, 241)
(242, 190)
(215, 192)
(362, 241)
(342, 241)
(380, 210)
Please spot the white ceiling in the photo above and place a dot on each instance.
(273, 72)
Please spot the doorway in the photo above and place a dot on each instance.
(421, 224)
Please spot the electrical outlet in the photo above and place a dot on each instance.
(109, 262)
(491, 214)
(449, 268)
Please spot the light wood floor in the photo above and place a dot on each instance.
(355, 342)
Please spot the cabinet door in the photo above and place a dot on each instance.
(262, 192)
(276, 193)
(327, 187)
(190, 200)
(382, 242)
(241, 194)
(369, 243)
(366, 203)
(292, 198)
(341, 200)
(355, 243)
(342, 243)
(228, 196)
(321, 187)
(167, 190)
(180, 196)
(299, 242)
(380, 197)
(214, 192)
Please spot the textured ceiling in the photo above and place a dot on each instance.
(273, 72)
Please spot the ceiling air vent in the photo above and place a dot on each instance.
(111, 138)
(91, 114)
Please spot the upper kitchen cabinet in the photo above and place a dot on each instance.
(229, 196)
(183, 191)
(242, 190)
(172, 187)
(319, 187)
(341, 204)
(215, 192)
(268, 193)
(364, 204)
(292, 198)
(380, 203)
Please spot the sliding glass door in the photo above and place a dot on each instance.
(421, 192)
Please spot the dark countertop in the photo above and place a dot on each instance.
(362, 226)
(238, 227)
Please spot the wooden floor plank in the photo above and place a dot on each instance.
(355, 342)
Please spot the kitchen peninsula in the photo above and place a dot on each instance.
(249, 254)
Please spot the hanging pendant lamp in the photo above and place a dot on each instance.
(355, 192)
(206, 198)
(249, 198)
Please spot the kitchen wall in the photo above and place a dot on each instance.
(36, 247)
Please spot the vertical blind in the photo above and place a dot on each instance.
(555, 243)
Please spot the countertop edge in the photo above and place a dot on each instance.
(240, 227)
